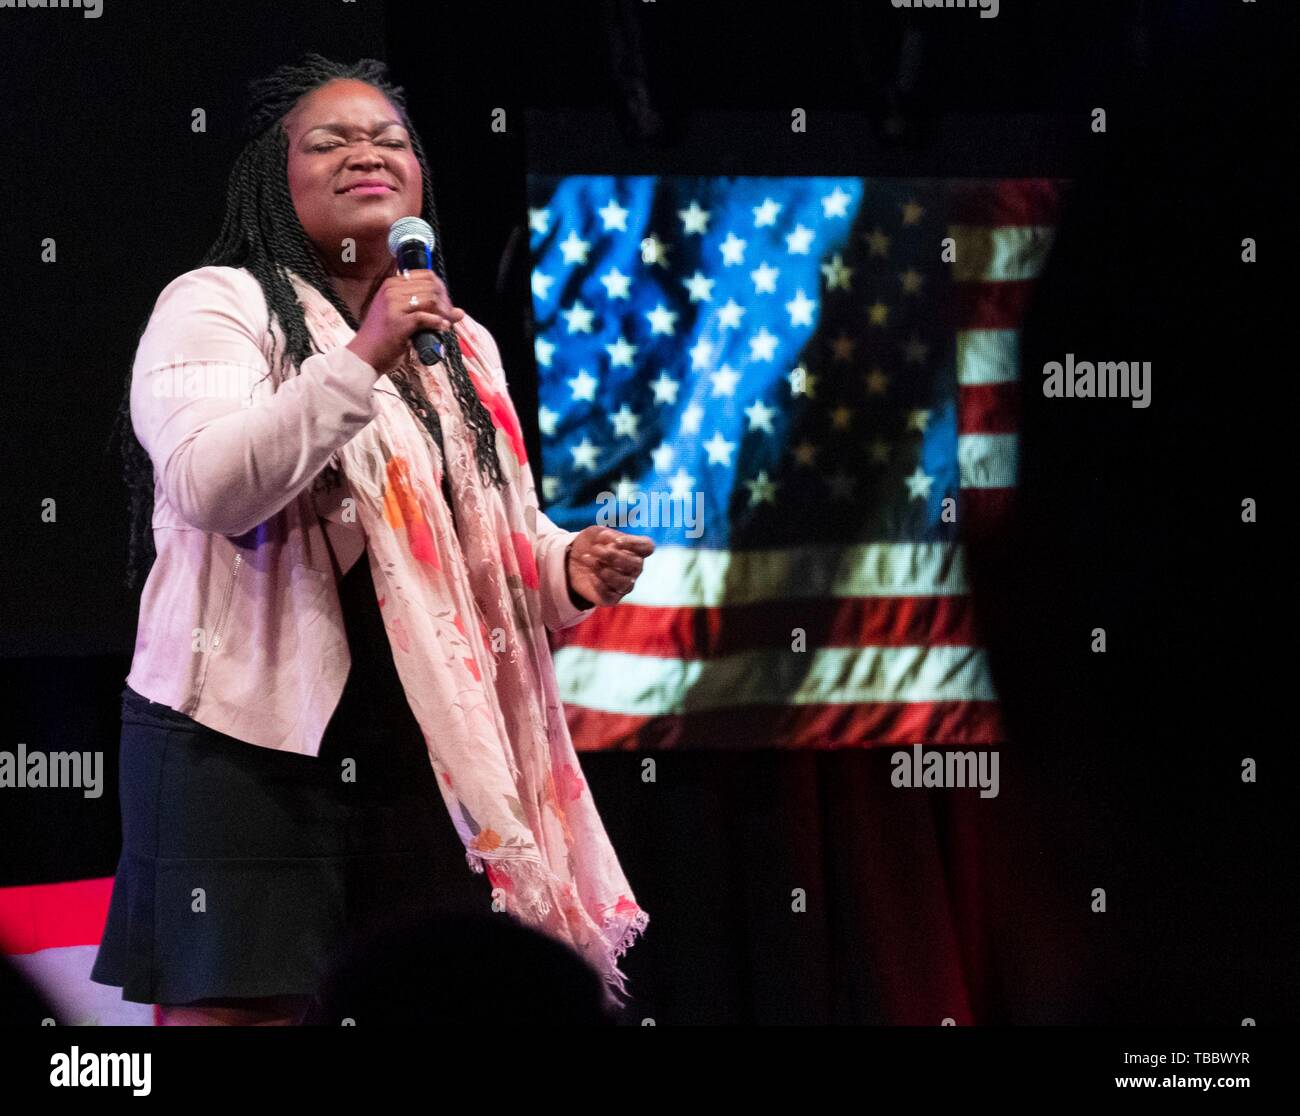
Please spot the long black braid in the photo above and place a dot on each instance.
(261, 232)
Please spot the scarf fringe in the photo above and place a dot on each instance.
(531, 898)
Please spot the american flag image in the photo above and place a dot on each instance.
(820, 376)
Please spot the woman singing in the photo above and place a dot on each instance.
(345, 616)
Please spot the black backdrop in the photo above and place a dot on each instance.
(1124, 771)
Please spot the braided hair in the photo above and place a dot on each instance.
(261, 233)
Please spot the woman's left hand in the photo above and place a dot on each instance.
(603, 563)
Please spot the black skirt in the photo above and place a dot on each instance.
(247, 871)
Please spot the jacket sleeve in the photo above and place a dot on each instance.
(227, 463)
(551, 542)
(551, 546)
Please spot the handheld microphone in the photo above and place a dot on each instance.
(410, 240)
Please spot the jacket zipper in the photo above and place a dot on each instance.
(225, 604)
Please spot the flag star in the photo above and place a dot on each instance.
(916, 350)
(878, 314)
(880, 452)
(841, 485)
(841, 417)
(701, 353)
(760, 416)
(912, 213)
(614, 216)
(616, 283)
(918, 484)
(691, 419)
(804, 453)
(546, 420)
(625, 489)
(663, 457)
(837, 275)
(550, 488)
(574, 248)
(765, 214)
(835, 203)
(625, 421)
(682, 483)
(543, 349)
(764, 277)
(694, 219)
(620, 353)
(665, 388)
(724, 381)
(762, 345)
(583, 386)
(912, 280)
(584, 455)
(700, 286)
(539, 220)
(761, 489)
(879, 242)
(729, 315)
(877, 382)
(842, 348)
(802, 381)
(918, 420)
(800, 309)
(579, 318)
(542, 284)
(798, 242)
(719, 449)
(662, 319)
(733, 250)
(654, 251)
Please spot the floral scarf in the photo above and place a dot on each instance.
(464, 618)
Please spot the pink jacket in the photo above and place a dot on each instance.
(240, 625)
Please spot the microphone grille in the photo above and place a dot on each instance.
(409, 228)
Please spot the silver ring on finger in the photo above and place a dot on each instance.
(415, 300)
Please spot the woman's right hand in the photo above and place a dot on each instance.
(391, 319)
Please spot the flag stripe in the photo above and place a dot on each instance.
(999, 305)
(987, 356)
(682, 577)
(1012, 201)
(989, 409)
(982, 510)
(701, 633)
(987, 460)
(882, 724)
(986, 255)
(642, 685)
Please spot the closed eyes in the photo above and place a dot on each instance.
(383, 143)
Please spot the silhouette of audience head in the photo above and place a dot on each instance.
(458, 968)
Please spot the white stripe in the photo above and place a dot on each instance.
(994, 255)
(691, 577)
(987, 460)
(988, 356)
(645, 685)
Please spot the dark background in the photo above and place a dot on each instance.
(1125, 768)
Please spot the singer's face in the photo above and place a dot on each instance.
(352, 171)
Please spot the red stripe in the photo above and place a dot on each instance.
(863, 725)
(45, 916)
(990, 305)
(982, 512)
(1011, 201)
(989, 408)
(704, 633)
